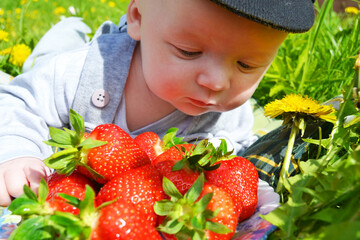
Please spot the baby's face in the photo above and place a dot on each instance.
(200, 57)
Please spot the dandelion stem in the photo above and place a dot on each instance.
(285, 166)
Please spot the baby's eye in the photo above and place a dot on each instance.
(243, 65)
(187, 53)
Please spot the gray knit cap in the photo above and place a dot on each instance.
(288, 15)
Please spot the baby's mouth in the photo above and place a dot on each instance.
(200, 103)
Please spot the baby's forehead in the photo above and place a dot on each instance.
(288, 15)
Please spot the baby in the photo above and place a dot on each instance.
(190, 64)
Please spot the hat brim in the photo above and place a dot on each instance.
(287, 15)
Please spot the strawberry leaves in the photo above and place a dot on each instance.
(184, 215)
(39, 221)
(203, 156)
(73, 143)
(170, 139)
(29, 204)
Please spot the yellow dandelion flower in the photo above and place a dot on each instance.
(2, 11)
(92, 9)
(59, 10)
(18, 54)
(22, 2)
(296, 111)
(352, 10)
(17, 10)
(111, 4)
(295, 104)
(4, 36)
(102, 1)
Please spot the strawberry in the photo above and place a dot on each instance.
(183, 163)
(73, 185)
(140, 187)
(238, 176)
(227, 215)
(105, 153)
(153, 145)
(184, 177)
(204, 212)
(120, 154)
(115, 220)
(122, 221)
(112, 220)
(48, 200)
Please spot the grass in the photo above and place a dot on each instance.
(27, 21)
(317, 63)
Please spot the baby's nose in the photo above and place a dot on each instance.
(215, 78)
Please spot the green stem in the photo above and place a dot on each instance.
(311, 42)
(285, 166)
(319, 148)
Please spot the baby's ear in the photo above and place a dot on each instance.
(133, 17)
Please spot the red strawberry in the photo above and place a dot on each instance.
(227, 215)
(121, 221)
(205, 211)
(105, 153)
(140, 187)
(74, 185)
(153, 145)
(238, 176)
(186, 175)
(110, 221)
(120, 154)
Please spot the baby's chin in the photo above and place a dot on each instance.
(201, 111)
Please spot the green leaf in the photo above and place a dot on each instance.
(43, 191)
(200, 147)
(344, 230)
(29, 193)
(171, 190)
(163, 207)
(87, 205)
(19, 206)
(217, 227)
(77, 122)
(179, 165)
(208, 214)
(55, 144)
(93, 173)
(170, 226)
(74, 201)
(197, 222)
(201, 205)
(71, 224)
(324, 142)
(62, 159)
(35, 228)
(60, 136)
(195, 190)
(169, 140)
(89, 143)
